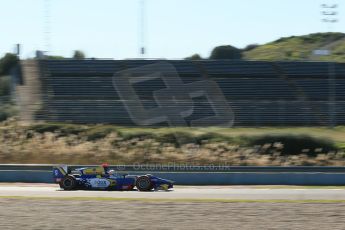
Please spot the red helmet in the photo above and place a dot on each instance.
(105, 165)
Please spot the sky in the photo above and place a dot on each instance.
(173, 28)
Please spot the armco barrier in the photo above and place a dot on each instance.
(230, 176)
(187, 168)
(27, 176)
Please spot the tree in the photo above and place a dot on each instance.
(78, 54)
(5, 86)
(250, 47)
(194, 57)
(226, 52)
(7, 62)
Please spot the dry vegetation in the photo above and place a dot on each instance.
(81, 144)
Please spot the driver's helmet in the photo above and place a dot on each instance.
(105, 167)
(111, 172)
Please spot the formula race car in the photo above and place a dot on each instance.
(103, 178)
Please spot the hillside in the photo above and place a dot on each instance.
(301, 48)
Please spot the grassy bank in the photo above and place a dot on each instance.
(92, 144)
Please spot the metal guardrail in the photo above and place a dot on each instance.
(187, 168)
(195, 175)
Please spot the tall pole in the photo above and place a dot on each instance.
(47, 25)
(329, 13)
(142, 48)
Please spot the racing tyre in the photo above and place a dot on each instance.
(68, 183)
(143, 183)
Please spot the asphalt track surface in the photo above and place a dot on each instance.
(45, 206)
(180, 192)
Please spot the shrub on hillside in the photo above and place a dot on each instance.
(294, 144)
(226, 52)
(132, 135)
(62, 129)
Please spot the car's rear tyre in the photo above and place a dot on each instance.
(143, 183)
(68, 183)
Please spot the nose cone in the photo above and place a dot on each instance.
(167, 181)
(170, 183)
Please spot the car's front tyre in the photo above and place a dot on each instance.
(143, 183)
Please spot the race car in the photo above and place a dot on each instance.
(103, 178)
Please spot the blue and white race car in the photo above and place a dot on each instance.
(103, 178)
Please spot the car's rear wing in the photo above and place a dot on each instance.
(59, 172)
